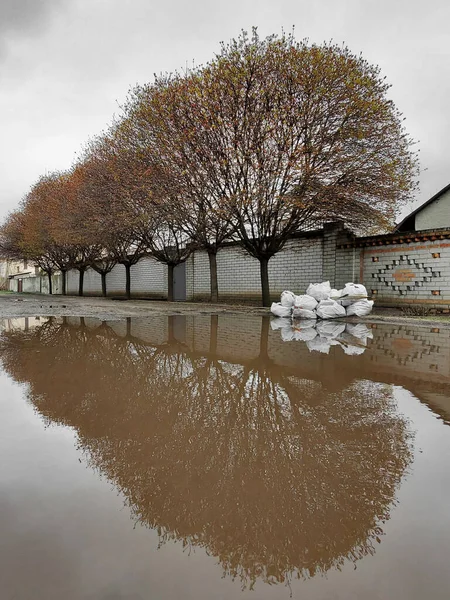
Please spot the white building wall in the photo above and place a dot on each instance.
(435, 215)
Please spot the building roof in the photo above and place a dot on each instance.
(12, 275)
(422, 206)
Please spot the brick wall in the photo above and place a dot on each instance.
(299, 263)
(408, 270)
(397, 269)
(92, 283)
(148, 279)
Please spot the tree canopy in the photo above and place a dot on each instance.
(271, 137)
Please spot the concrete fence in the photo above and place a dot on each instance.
(397, 269)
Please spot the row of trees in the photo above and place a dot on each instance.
(271, 136)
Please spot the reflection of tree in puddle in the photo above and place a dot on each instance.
(275, 475)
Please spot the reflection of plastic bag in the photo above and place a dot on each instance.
(280, 311)
(279, 323)
(319, 344)
(287, 299)
(330, 330)
(287, 333)
(353, 350)
(305, 301)
(303, 313)
(319, 291)
(304, 330)
(321, 335)
(360, 308)
(359, 331)
(330, 309)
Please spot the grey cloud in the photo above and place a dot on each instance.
(72, 60)
(21, 16)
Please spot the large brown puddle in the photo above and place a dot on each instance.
(207, 457)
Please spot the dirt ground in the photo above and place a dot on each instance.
(106, 309)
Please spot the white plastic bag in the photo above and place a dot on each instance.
(360, 308)
(303, 313)
(279, 310)
(354, 289)
(305, 301)
(287, 298)
(319, 291)
(330, 309)
(352, 293)
(335, 294)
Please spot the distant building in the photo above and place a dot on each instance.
(433, 214)
(18, 269)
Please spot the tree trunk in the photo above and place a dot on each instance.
(171, 329)
(264, 269)
(50, 285)
(128, 281)
(63, 279)
(264, 339)
(103, 276)
(213, 335)
(170, 283)
(81, 282)
(213, 276)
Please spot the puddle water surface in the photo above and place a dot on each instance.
(220, 457)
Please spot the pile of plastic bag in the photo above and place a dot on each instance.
(323, 302)
(320, 336)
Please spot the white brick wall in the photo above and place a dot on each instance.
(148, 278)
(92, 283)
(238, 273)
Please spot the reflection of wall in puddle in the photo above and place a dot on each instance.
(416, 357)
(419, 351)
(20, 323)
(404, 350)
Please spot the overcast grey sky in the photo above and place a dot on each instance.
(66, 65)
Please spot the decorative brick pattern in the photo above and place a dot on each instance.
(409, 273)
